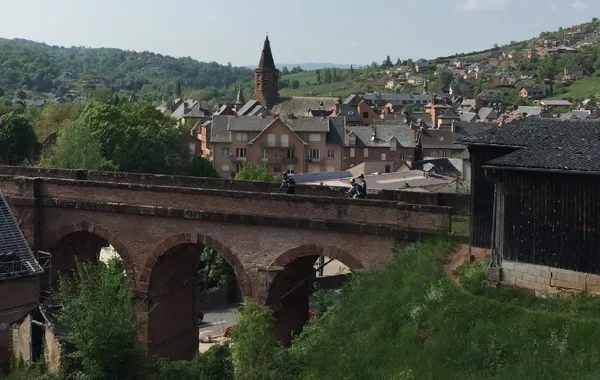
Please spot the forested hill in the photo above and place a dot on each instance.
(39, 67)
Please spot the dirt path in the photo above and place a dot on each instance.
(460, 257)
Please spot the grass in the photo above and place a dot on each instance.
(460, 225)
(583, 88)
(407, 321)
(335, 89)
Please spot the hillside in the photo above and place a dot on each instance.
(42, 68)
(407, 321)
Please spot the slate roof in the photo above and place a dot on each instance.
(576, 114)
(449, 114)
(442, 166)
(350, 113)
(523, 133)
(16, 258)
(559, 153)
(224, 125)
(468, 116)
(487, 113)
(299, 105)
(337, 131)
(396, 99)
(439, 139)
(383, 133)
(247, 107)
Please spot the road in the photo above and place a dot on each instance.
(219, 319)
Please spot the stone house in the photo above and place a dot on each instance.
(388, 142)
(531, 93)
(573, 74)
(294, 145)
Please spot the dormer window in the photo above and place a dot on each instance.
(352, 140)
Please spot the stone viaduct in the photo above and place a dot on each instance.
(160, 224)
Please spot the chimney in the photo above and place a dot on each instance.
(453, 126)
(434, 112)
(336, 109)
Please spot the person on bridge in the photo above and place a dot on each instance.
(363, 185)
(355, 189)
(288, 183)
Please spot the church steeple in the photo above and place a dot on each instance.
(239, 100)
(266, 77)
(266, 59)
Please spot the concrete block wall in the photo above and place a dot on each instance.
(548, 280)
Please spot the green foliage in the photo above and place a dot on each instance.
(407, 321)
(215, 269)
(17, 139)
(76, 148)
(44, 68)
(103, 324)
(255, 352)
(250, 172)
(215, 364)
(199, 166)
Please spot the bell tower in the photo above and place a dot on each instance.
(266, 78)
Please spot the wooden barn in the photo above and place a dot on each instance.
(544, 225)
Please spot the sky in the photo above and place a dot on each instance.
(330, 31)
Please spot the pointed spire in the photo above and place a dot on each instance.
(240, 97)
(266, 59)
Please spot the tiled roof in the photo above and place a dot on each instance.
(383, 134)
(560, 153)
(350, 113)
(16, 258)
(523, 133)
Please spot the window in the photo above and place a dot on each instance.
(314, 154)
(352, 152)
(241, 137)
(226, 152)
(393, 144)
(352, 140)
(240, 152)
(388, 169)
(314, 137)
(265, 154)
(278, 154)
(291, 153)
(330, 153)
(383, 157)
(365, 115)
(285, 141)
(271, 140)
(277, 169)
(291, 168)
(192, 148)
(238, 167)
(366, 152)
(225, 167)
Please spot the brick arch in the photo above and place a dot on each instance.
(192, 238)
(313, 250)
(56, 235)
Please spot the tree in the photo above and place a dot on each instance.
(215, 270)
(103, 324)
(387, 62)
(256, 354)
(17, 139)
(76, 148)
(178, 89)
(199, 166)
(137, 137)
(250, 172)
(285, 70)
(295, 84)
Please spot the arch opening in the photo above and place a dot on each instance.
(193, 289)
(83, 246)
(290, 292)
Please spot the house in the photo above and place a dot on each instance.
(555, 103)
(531, 53)
(508, 79)
(531, 93)
(422, 66)
(526, 111)
(397, 101)
(458, 62)
(487, 114)
(294, 145)
(415, 80)
(539, 207)
(19, 279)
(394, 82)
(573, 74)
(391, 143)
